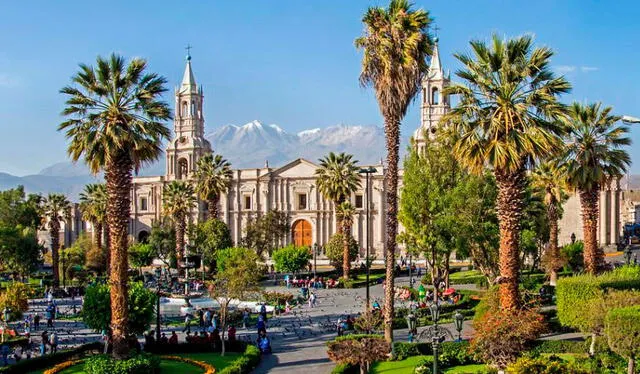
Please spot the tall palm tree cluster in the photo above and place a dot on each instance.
(509, 119)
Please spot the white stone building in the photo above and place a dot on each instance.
(292, 189)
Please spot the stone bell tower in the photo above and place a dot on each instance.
(188, 143)
(433, 103)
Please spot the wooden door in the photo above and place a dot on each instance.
(301, 233)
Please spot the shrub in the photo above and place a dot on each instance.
(16, 298)
(346, 369)
(96, 311)
(560, 346)
(572, 255)
(544, 365)
(424, 366)
(358, 349)
(291, 259)
(42, 362)
(622, 328)
(245, 363)
(334, 250)
(276, 298)
(143, 363)
(502, 335)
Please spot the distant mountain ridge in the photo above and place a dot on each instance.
(247, 146)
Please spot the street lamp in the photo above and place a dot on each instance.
(158, 312)
(627, 254)
(458, 319)
(412, 325)
(315, 254)
(435, 337)
(367, 172)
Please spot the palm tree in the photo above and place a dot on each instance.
(395, 45)
(213, 174)
(549, 179)
(93, 205)
(507, 119)
(344, 213)
(593, 159)
(56, 208)
(337, 178)
(177, 200)
(116, 123)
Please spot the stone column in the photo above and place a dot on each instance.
(615, 212)
(604, 193)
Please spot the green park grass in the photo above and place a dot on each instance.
(168, 366)
(466, 369)
(407, 365)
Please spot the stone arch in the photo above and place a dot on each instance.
(183, 168)
(143, 237)
(435, 96)
(301, 233)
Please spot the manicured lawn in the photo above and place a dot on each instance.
(396, 367)
(464, 274)
(168, 366)
(466, 369)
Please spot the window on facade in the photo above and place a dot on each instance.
(184, 108)
(247, 202)
(193, 108)
(302, 201)
(144, 203)
(359, 201)
(435, 97)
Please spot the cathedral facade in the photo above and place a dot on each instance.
(292, 189)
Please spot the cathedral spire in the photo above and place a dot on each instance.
(188, 80)
(435, 68)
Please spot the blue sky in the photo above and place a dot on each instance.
(287, 62)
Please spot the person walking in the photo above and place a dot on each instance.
(36, 321)
(53, 342)
(245, 318)
(312, 300)
(200, 318)
(187, 323)
(43, 343)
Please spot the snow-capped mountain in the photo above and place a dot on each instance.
(246, 146)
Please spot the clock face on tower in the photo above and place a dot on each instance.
(183, 139)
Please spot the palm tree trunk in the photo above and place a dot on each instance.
(509, 206)
(212, 207)
(593, 256)
(554, 254)
(97, 234)
(180, 229)
(392, 138)
(631, 366)
(107, 245)
(118, 177)
(54, 232)
(346, 263)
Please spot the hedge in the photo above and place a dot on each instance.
(46, 361)
(573, 294)
(459, 350)
(245, 363)
(560, 346)
(622, 327)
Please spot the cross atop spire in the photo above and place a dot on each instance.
(188, 48)
(436, 28)
(435, 68)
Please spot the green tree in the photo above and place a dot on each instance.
(56, 208)
(506, 119)
(178, 200)
(594, 157)
(20, 251)
(75, 257)
(96, 310)
(163, 240)
(291, 259)
(116, 123)
(395, 47)
(15, 297)
(213, 175)
(534, 226)
(622, 327)
(18, 209)
(549, 179)
(208, 238)
(93, 205)
(427, 212)
(141, 254)
(337, 178)
(334, 250)
(237, 277)
(265, 233)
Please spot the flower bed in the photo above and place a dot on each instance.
(61, 366)
(208, 369)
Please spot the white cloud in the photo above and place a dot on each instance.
(587, 69)
(564, 69)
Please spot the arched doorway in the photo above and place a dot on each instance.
(301, 233)
(143, 237)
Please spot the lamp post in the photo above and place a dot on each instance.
(315, 254)
(410, 278)
(435, 338)
(158, 312)
(627, 254)
(367, 172)
(64, 278)
(458, 319)
(412, 325)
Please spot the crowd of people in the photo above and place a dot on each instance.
(310, 282)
